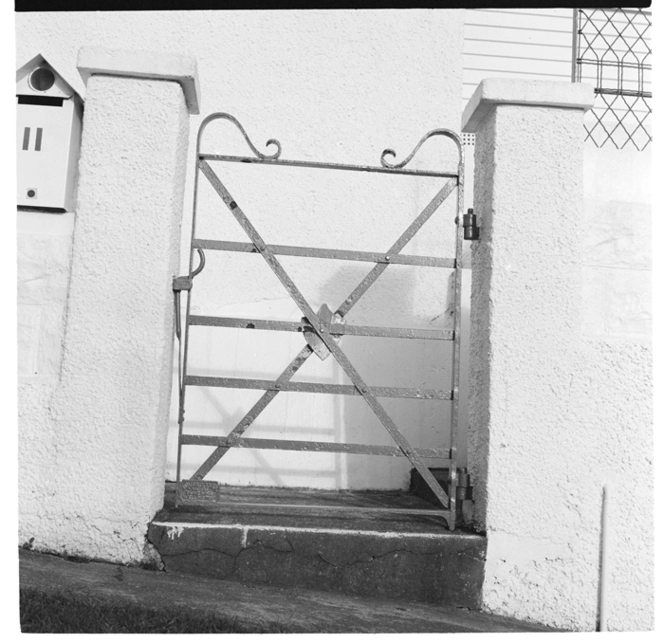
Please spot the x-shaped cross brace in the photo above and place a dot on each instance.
(322, 329)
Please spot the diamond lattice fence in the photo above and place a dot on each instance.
(612, 51)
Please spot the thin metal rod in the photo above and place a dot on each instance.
(182, 377)
(456, 357)
(575, 41)
(328, 253)
(302, 445)
(316, 387)
(324, 166)
(335, 329)
(604, 562)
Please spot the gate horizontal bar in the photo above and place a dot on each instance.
(301, 445)
(338, 510)
(313, 387)
(327, 253)
(325, 166)
(335, 329)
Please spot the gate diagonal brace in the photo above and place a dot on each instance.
(323, 332)
(334, 322)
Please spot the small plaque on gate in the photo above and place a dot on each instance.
(197, 492)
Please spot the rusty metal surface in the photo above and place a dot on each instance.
(397, 246)
(324, 166)
(456, 357)
(435, 132)
(309, 445)
(255, 411)
(335, 328)
(329, 253)
(341, 510)
(322, 331)
(311, 337)
(318, 387)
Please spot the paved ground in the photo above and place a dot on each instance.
(252, 606)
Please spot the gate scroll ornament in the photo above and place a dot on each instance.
(321, 330)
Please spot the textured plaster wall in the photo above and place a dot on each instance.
(567, 395)
(333, 86)
(43, 263)
(94, 468)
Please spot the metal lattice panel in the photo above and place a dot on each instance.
(612, 51)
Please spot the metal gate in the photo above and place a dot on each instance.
(321, 330)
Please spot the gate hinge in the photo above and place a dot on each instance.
(181, 283)
(471, 231)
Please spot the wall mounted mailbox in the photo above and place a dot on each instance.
(48, 137)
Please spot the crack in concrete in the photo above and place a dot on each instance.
(199, 550)
(252, 545)
(260, 542)
(368, 558)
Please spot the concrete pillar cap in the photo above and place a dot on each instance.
(533, 93)
(143, 64)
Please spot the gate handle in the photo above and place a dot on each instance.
(184, 283)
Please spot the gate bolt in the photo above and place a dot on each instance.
(471, 231)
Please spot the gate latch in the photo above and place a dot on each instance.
(181, 283)
(471, 231)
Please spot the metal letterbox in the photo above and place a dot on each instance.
(48, 137)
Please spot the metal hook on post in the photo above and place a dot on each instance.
(180, 284)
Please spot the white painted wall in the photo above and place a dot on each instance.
(577, 269)
(614, 394)
(611, 439)
(43, 266)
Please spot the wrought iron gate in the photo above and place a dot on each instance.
(321, 330)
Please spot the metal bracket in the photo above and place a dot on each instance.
(471, 231)
(333, 323)
(181, 283)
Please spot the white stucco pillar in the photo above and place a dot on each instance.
(526, 291)
(111, 408)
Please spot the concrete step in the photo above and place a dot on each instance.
(259, 536)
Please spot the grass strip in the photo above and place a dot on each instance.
(43, 613)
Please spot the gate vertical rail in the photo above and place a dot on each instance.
(321, 330)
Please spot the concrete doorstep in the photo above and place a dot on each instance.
(251, 606)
